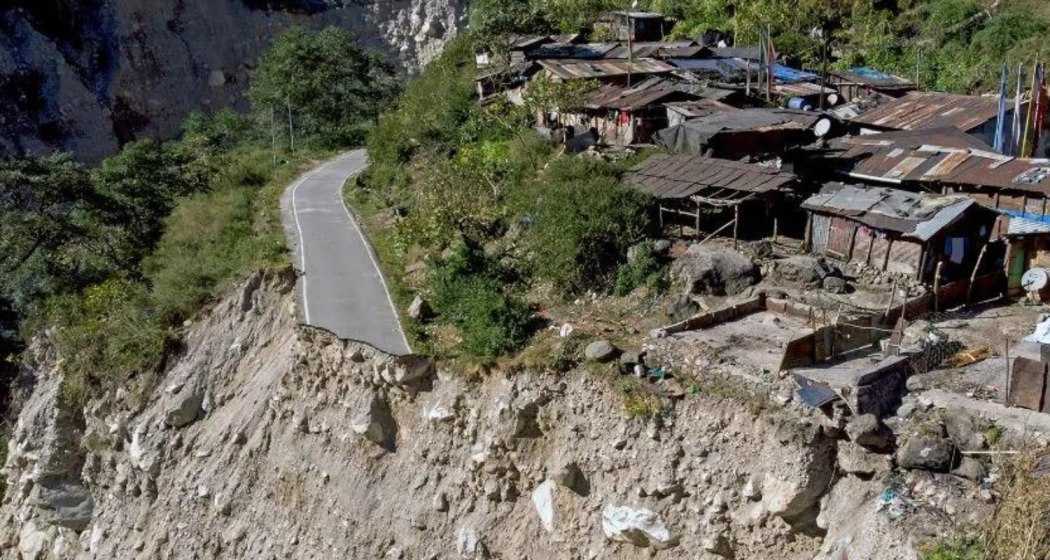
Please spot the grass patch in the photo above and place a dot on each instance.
(966, 548)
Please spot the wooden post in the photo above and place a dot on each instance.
(1009, 367)
(736, 223)
(698, 219)
(893, 295)
(937, 287)
(973, 275)
(660, 215)
(807, 242)
(776, 228)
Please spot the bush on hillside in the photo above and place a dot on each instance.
(469, 292)
(583, 222)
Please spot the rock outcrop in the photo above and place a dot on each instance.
(87, 76)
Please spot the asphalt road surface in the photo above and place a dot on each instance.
(341, 288)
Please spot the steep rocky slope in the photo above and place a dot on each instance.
(264, 439)
(84, 76)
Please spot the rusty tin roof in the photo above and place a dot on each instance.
(674, 176)
(595, 69)
(921, 110)
(940, 157)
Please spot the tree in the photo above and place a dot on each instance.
(330, 89)
(136, 189)
(44, 225)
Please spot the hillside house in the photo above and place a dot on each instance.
(633, 26)
(909, 234)
(862, 82)
(972, 114)
(621, 115)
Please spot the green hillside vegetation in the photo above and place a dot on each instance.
(115, 258)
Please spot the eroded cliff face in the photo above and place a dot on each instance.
(87, 75)
(264, 439)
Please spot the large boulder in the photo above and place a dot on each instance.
(376, 423)
(804, 271)
(639, 527)
(929, 452)
(867, 431)
(63, 503)
(600, 351)
(720, 272)
(188, 406)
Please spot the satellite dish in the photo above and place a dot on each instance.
(822, 128)
(1035, 280)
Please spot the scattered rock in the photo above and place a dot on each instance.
(866, 430)
(419, 309)
(962, 430)
(971, 469)
(804, 271)
(854, 459)
(569, 475)
(926, 452)
(439, 502)
(718, 542)
(63, 503)
(704, 270)
(376, 423)
(187, 408)
(639, 527)
(469, 544)
(835, 284)
(682, 308)
(600, 351)
(1042, 468)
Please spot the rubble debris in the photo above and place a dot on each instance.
(637, 526)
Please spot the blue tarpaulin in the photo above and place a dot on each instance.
(788, 75)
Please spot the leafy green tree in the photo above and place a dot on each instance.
(333, 90)
(45, 248)
(136, 189)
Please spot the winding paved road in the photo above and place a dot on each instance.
(341, 288)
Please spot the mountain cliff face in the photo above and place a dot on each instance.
(264, 439)
(87, 75)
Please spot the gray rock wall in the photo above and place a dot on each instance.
(87, 75)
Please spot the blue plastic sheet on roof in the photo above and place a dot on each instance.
(1041, 218)
(870, 73)
(789, 75)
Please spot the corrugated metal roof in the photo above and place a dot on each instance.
(801, 89)
(871, 77)
(652, 90)
(656, 49)
(700, 108)
(917, 111)
(916, 215)
(577, 51)
(589, 70)
(683, 175)
(922, 158)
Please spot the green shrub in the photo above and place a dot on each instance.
(956, 549)
(645, 270)
(468, 292)
(105, 334)
(582, 222)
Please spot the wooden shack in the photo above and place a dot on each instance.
(917, 235)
